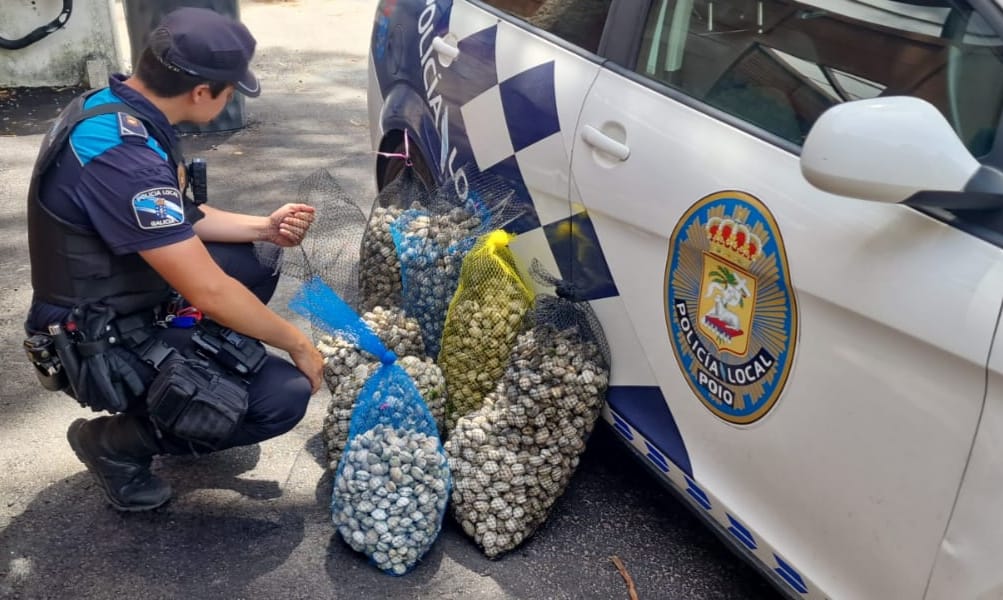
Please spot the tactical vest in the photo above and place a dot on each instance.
(72, 265)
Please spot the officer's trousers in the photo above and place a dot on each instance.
(279, 392)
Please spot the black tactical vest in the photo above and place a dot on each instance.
(72, 265)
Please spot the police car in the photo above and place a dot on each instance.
(786, 215)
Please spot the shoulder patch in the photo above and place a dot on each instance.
(159, 207)
(130, 125)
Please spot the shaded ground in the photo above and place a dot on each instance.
(28, 111)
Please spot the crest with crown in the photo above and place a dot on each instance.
(733, 241)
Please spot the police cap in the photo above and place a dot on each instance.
(206, 44)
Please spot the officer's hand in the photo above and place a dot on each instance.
(308, 359)
(288, 225)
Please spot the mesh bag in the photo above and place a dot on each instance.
(431, 243)
(379, 270)
(331, 250)
(483, 319)
(395, 331)
(326, 310)
(512, 458)
(347, 367)
(392, 482)
(429, 269)
(423, 371)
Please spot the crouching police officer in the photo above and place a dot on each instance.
(119, 249)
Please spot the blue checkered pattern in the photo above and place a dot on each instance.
(507, 119)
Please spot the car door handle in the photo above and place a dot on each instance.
(445, 48)
(599, 140)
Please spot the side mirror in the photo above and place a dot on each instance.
(885, 149)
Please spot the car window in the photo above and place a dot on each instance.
(779, 64)
(579, 22)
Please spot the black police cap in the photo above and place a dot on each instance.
(206, 44)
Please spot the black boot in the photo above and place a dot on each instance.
(118, 451)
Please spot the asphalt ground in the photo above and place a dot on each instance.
(254, 522)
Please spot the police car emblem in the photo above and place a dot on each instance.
(730, 306)
(158, 207)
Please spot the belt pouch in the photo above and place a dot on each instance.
(192, 402)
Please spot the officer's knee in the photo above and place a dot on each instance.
(297, 396)
(278, 401)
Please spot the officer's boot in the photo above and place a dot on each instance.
(117, 451)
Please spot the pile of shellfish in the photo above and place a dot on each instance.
(512, 458)
(390, 495)
(347, 368)
(516, 399)
(379, 268)
(431, 248)
(423, 371)
(397, 332)
(476, 342)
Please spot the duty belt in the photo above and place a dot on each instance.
(134, 331)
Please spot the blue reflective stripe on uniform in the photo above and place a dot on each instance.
(153, 145)
(97, 135)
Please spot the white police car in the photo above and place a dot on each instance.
(787, 215)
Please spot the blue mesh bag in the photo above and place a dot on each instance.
(431, 242)
(430, 268)
(326, 310)
(392, 483)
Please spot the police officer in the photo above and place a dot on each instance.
(109, 221)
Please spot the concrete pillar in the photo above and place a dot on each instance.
(87, 47)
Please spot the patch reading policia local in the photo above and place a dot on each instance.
(158, 207)
(730, 308)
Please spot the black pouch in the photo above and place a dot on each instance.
(238, 353)
(188, 399)
(97, 371)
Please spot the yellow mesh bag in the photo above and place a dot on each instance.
(483, 320)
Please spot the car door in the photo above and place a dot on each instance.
(506, 89)
(822, 357)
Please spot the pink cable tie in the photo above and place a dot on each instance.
(406, 155)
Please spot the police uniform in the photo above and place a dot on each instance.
(115, 188)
